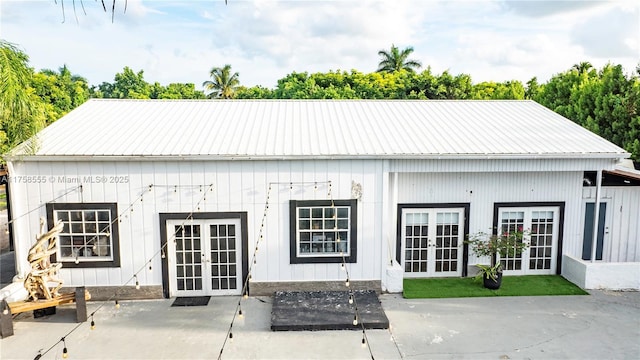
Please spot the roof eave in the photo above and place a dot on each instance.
(200, 157)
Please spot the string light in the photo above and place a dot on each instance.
(135, 276)
(65, 352)
(355, 319)
(342, 267)
(350, 299)
(346, 283)
(364, 340)
(245, 295)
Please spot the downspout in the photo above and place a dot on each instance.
(17, 249)
(596, 217)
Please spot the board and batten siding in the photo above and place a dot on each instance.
(622, 235)
(482, 190)
(238, 186)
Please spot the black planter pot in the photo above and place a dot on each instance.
(489, 283)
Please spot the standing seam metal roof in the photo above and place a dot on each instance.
(283, 129)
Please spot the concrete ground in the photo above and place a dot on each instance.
(603, 325)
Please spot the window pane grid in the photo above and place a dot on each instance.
(447, 242)
(416, 242)
(86, 235)
(541, 240)
(188, 257)
(512, 221)
(323, 230)
(223, 257)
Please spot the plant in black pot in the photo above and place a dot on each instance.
(507, 244)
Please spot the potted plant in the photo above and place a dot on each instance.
(507, 244)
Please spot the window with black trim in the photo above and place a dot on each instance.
(323, 231)
(89, 237)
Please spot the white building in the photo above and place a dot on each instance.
(198, 190)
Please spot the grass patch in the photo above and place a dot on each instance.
(529, 285)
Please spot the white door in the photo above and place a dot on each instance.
(432, 240)
(204, 257)
(540, 225)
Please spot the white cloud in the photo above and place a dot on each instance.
(264, 40)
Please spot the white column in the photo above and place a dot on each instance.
(596, 217)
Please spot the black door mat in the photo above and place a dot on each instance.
(191, 301)
(326, 310)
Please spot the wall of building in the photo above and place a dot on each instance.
(178, 188)
(622, 234)
(482, 190)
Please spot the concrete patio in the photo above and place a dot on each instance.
(602, 325)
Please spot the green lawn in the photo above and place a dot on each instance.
(530, 285)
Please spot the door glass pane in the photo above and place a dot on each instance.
(541, 240)
(416, 242)
(188, 259)
(223, 256)
(512, 221)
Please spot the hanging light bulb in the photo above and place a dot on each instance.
(246, 295)
(150, 267)
(137, 282)
(117, 305)
(346, 283)
(315, 186)
(5, 311)
(163, 254)
(230, 336)
(342, 267)
(240, 314)
(350, 299)
(364, 339)
(355, 320)
(77, 260)
(93, 324)
(65, 352)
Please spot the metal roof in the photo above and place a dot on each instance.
(297, 129)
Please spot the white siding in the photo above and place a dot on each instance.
(237, 186)
(482, 190)
(622, 238)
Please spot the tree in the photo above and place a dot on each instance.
(223, 84)
(21, 111)
(396, 60)
(61, 91)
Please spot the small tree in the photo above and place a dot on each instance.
(505, 244)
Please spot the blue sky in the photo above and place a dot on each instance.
(264, 40)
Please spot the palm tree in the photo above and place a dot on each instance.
(223, 84)
(581, 67)
(396, 60)
(21, 110)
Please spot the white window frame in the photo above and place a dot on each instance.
(335, 235)
(90, 229)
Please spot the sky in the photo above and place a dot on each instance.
(264, 40)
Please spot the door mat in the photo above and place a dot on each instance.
(326, 310)
(191, 301)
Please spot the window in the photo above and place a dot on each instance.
(323, 231)
(89, 237)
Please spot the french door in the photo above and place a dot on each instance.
(540, 226)
(204, 257)
(432, 241)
